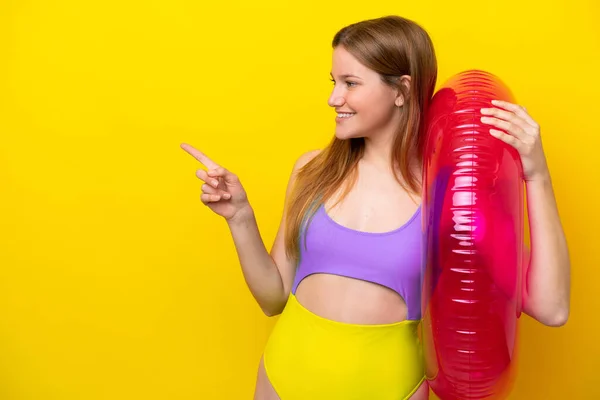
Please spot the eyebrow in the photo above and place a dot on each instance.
(346, 76)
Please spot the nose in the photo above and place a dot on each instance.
(336, 99)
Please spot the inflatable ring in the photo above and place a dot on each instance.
(473, 241)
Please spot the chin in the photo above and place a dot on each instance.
(347, 135)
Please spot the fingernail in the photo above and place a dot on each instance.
(226, 196)
(215, 183)
(485, 110)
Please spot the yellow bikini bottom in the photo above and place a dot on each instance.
(308, 357)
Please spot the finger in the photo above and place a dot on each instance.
(508, 116)
(506, 138)
(209, 198)
(221, 172)
(520, 111)
(210, 190)
(508, 127)
(200, 156)
(502, 114)
(202, 174)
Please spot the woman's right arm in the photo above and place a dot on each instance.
(268, 276)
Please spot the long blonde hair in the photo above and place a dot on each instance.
(392, 46)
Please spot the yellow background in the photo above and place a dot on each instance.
(117, 283)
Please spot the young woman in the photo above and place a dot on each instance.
(344, 271)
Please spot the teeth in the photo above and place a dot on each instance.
(345, 115)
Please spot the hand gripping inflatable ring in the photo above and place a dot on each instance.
(473, 241)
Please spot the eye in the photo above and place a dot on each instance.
(348, 83)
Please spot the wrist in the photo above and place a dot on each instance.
(542, 177)
(242, 217)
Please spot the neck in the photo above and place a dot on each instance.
(378, 151)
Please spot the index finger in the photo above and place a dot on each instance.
(516, 109)
(200, 156)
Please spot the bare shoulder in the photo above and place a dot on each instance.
(305, 158)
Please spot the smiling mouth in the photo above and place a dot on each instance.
(343, 116)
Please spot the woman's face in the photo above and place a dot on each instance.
(364, 104)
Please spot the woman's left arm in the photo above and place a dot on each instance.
(547, 284)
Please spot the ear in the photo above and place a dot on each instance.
(403, 90)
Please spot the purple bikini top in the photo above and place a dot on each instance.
(392, 259)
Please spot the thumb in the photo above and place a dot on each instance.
(220, 172)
